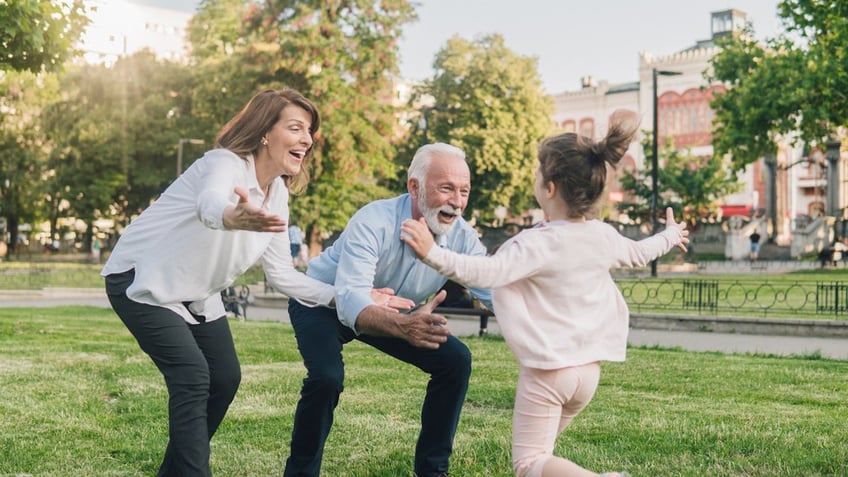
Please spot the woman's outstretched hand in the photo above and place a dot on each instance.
(386, 298)
(245, 216)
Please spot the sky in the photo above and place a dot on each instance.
(569, 38)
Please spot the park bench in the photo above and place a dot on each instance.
(482, 313)
(459, 302)
(236, 298)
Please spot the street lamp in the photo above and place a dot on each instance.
(180, 152)
(654, 161)
(833, 149)
(423, 122)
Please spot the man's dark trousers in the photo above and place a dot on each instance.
(320, 339)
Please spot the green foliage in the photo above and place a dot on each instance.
(40, 34)
(114, 135)
(489, 102)
(76, 371)
(341, 55)
(795, 82)
(38, 276)
(690, 185)
(22, 147)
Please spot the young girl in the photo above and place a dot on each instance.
(557, 304)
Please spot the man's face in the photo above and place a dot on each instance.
(444, 194)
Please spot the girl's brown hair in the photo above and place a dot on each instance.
(577, 165)
(243, 134)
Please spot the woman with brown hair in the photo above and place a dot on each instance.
(225, 213)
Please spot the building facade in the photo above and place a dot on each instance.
(119, 28)
(785, 190)
(683, 110)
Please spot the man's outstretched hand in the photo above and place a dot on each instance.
(423, 328)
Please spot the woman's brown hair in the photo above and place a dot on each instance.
(243, 134)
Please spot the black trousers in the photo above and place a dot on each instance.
(200, 368)
(320, 339)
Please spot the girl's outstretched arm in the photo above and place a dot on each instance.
(513, 261)
(681, 226)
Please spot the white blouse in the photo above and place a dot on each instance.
(182, 253)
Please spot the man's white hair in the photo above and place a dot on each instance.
(424, 156)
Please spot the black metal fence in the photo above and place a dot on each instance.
(743, 297)
(746, 297)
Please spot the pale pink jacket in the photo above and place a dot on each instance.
(554, 298)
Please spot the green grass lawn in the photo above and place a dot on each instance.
(77, 397)
(37, 275)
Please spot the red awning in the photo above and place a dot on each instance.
(731, 210)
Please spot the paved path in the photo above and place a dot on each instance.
(836, 348)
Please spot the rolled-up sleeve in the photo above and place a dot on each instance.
(356, 269)
(220, 174)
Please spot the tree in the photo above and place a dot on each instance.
(86, 172)
(489, 102)
(40, 34)
(156, 111)
(690, 185)
(343, 56)
(22, 147)
(794, 86)
(114, 136)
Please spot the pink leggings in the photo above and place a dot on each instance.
(545, 403)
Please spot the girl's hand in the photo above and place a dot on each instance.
(417, 235)
(670, 223)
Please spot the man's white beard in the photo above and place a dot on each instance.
(431, 216)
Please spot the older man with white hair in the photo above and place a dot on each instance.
(369, 254)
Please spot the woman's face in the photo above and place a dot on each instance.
(288, 141)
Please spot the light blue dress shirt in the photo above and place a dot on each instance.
(370, 254)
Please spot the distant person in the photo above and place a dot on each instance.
(165, 274)
(368, 253)
(296, 241)
(832, 254)
(556, 302)
(825, 256)
(95, 250)
(755, 245)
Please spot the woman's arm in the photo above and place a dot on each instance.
(222, 200)
(283, 277)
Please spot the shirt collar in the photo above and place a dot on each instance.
(551, 223)
(253, 184)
